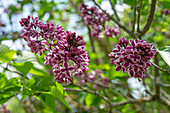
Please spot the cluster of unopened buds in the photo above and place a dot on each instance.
(94, 19)
(112, 32)
(67, 54)
(165, 12)
(95, 78)
(132, 56)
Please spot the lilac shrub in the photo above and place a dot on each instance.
(67, 54)
(132, 56)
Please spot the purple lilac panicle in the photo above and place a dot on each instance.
(94, 19)
(132, 56)
(67, 54)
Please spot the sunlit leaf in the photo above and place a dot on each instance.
(56, 92)
(165, 53)
(91, 99)
(48, 100)
(24, 67)
(6, 55)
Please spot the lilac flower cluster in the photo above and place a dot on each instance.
(67, 54)
(94, 77)
(94, 19)
(132, 57)
(37, 33)
(112, 32)
(165, 12)
(4, 109)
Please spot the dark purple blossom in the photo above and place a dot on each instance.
(132, 57)
(94, 19)
(165, 12)
(112, 32)
(67, 54)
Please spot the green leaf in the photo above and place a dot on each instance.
(114, 2)
(3, 100)
(129, 2)
(30, 82)
(5, 54)
(49, 100)
(38, 72)
(165, 53)
(8, 92)
(99, 1)
(44, 83)
(60, 87)
(24, 68)
(165, 4)
(7, 84)
(3, 78)
(56, 92)
(29, 56)
(3, 49)
(91, 99)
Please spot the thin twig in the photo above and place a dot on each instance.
(92, 110)
(165, 70)
(149, 19)
(149, 75)
(165, 94)
(70, 89)
(147, 91)
(112, 105)
(93, 92)
(117, 22)
(114, 10)
(165, 85)
(165, 101)
(112, 87)
(145, 99)
(88, 91)
(6, 68)
(134, 14)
